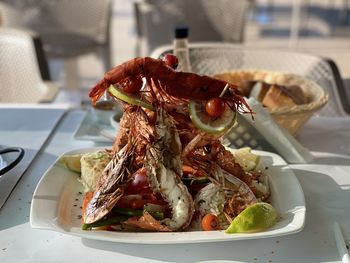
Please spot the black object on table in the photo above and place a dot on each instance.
(11, 165)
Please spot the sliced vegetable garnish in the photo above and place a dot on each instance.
(157, 215)
(139, 212)
(128, 212)
(105, 222)
(195, 180)
(128, 98)
(208, 124)
(150, 208)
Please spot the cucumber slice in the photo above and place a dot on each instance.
(209, 124)
(128, 98)
(195, 180)
(105, 222)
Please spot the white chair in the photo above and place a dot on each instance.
(212, 58)
(208, 20)
(67, 28)
(20, 79)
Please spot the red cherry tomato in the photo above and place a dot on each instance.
(139, 183)
(215, 107)
(171, 61)
(131, 85)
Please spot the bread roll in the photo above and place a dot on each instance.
(296, 93)
(275, 98)
(259, 90)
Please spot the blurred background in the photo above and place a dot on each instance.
(81, 39)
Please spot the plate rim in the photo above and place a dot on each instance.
(121, 237)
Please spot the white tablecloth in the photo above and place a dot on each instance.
(326, 184)
(28, 128)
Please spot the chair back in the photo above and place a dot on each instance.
(20, 79)
(219, 20)
(67, 28)
(83, 17)
(9, 16)
(213, 58)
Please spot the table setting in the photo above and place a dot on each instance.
(324, 182)
(308, 177)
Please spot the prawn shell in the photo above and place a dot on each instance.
(147, 222)
(182, 85)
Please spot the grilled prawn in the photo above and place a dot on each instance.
(180, 85)
(110, 187)
(163, 165)
(164, 172)
(158, 136)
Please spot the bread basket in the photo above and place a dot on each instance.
(291, 118)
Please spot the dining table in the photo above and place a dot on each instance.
(325, 182)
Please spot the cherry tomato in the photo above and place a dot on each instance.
(139, 183)
(215, 107)
(210, 222)
(171, 60)
(131, 85)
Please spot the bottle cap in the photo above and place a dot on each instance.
(181, 32)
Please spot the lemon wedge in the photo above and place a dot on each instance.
(119, 94)
(254, 218)
(71, 162)
(209, 124)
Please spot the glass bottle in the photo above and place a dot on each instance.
(181, 50)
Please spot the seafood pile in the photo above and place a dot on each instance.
(168, 169)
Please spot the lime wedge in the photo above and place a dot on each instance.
(128, 98)
(209, 124)
(254, 218)
(71, 162)
(246, 159)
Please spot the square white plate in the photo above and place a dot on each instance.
(57, 200)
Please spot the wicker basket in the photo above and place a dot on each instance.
(290, 118)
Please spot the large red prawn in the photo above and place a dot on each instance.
(181, 85)
(166, 139)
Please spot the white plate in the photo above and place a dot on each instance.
(93, 129)
(56, 206)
